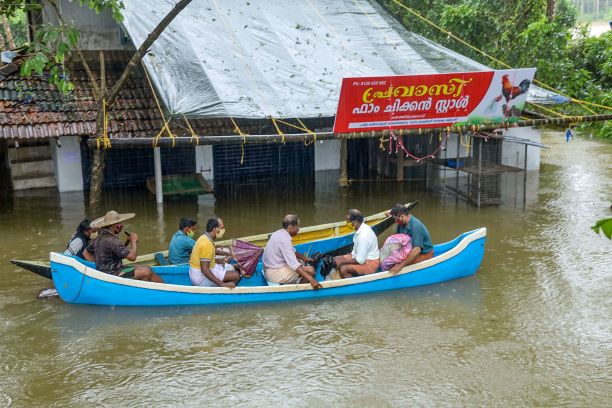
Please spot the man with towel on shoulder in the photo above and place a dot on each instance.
(109, 252)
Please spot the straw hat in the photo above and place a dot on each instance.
(110, 218)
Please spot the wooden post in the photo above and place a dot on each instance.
(343, 181)
(479, 168)
(457, 167)
(159, 192)
(525, 179)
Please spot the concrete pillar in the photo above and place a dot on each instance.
(159, 192)
(204, 162)
(327, 155)
(66, 154)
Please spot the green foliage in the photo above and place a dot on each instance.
(53, 44)
(520, 34)
(604, 226)
(19, 28)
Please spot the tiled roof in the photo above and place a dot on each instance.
(32, 107)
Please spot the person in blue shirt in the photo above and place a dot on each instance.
(422, 247)
(182, 242)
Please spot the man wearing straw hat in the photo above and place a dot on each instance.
(109, 251)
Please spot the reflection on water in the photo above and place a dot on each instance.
(531, 328)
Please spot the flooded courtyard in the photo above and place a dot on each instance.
(532, 327)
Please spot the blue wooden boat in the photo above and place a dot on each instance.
(78, 281)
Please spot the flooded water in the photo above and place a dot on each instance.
(531, 328)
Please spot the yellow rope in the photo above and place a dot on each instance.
(549, 110)
(278, 129)
(161, 112)
(467, 144)
(503, 64)
(106, 142)
(303, 128)
(194, 135)
(244, 135)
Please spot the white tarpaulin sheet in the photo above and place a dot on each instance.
(260, 58)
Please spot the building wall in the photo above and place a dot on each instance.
(98, 31)
(31, 165)
(327, 155)
(204, 162)
(67, 164)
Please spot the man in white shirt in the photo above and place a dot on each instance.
(365, 258)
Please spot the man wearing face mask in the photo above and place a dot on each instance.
(281, 261)
(182, 242)
(204, 270)
(422, 247)
(365, 258)
(109, 252)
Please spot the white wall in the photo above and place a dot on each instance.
(513, 154)
(204, 162)
(327, 155)
(67, 164)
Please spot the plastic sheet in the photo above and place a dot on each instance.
(282, 59)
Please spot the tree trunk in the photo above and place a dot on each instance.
(550, 10)
(97, 168)
(8, 32)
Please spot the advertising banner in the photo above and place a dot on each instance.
(432, 100)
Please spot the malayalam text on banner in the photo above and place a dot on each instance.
(432, 100)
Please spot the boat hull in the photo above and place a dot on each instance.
(77, 283)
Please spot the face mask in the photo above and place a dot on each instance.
(220, 233)
(191, 233)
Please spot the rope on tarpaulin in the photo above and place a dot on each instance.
(503, 64)
(280, 133)
(303, 128)
(194, 135)
(244, 135)
(165, 127)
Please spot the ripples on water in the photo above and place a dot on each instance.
(532, 328)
